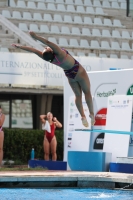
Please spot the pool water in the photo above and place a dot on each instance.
(64, 194)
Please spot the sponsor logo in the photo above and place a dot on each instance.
(119, 106)
(69, 144)
(110, 102)
(71, 124)
(130, 90)
(69, 138)
(69, 134)
(71, 129)
(99, 141)
(72, 104)
(76, 115)
(124, 102)
(100, 117)
(73, 110)
(71, 116)
(106, 94)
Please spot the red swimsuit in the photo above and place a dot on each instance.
(0, 128)
(50, 136)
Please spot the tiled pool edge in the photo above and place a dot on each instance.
(65, 179)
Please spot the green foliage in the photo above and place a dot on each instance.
(22, 169)
(19, 142)
(60, 144)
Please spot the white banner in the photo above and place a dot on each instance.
(29, 69)
(119, 117)
(103, 85)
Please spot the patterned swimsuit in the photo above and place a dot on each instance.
(70, 73)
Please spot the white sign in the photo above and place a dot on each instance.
(25, 68)
(29, 69)
(119, 116)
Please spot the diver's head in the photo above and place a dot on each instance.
(48, 54)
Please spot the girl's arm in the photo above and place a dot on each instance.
(2, 119)
(57, 123)
(54, 47)
(42, 118)
(29, 49)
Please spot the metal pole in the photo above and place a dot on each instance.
(8, 2)
(127, 13)
(106, 131)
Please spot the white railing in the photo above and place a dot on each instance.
(25, 37)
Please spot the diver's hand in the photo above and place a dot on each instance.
(16, 45)
(33, 35)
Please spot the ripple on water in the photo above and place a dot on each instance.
(64, 194)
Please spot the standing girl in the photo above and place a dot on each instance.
(2, 119)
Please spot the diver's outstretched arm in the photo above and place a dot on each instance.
(54, 47)
(30, 49)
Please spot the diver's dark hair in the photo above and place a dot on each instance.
(0, 106)
(48, 56)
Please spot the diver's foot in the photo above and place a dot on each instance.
(92, 120)
(84, 121)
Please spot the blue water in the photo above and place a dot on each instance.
(64, 194)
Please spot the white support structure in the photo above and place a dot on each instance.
(25, 37)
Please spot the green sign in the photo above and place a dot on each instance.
(130, 90)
